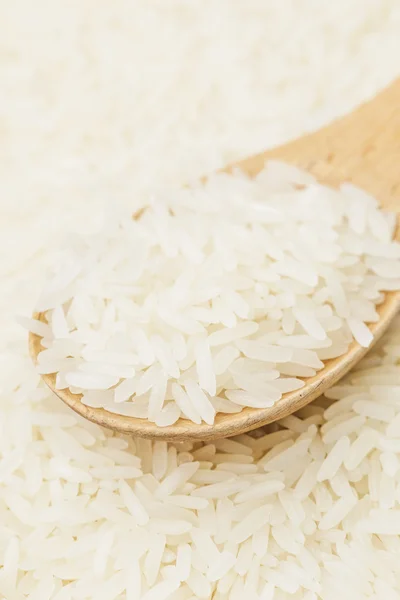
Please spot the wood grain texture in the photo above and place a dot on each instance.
(362, 148)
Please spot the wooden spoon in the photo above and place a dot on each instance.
(363, 148)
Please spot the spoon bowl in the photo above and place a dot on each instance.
(362, 148)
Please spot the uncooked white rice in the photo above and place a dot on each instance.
(295, 510)
(80, 123)
(144, 320)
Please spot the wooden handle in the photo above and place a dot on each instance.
(363, 147)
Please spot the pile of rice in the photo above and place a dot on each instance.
(216, 297)
(81, 125)
(305, 508)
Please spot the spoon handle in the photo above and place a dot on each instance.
(362, 147)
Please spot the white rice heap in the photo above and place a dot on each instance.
(308, 508)
(218, 297)
(99, 100)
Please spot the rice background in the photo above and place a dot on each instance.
(100, 101)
